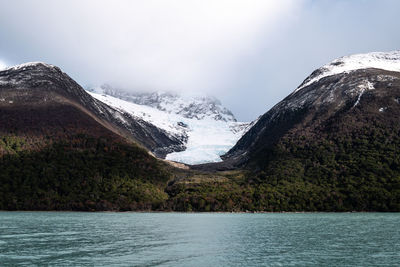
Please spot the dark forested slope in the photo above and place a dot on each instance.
(62, 149)
(333, 144)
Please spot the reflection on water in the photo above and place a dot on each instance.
(199, 239)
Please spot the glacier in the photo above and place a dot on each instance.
(208, 129)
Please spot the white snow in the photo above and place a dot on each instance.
(189, 105)
(5, 79)
(207, 138)
(382, 109)
(362, 88)
(381, 60)
(28, 64)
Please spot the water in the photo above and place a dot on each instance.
(199, 239)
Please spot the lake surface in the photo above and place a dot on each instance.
(199, 239)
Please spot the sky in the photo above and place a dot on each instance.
(249, 54)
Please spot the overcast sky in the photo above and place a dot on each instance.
(249, 54)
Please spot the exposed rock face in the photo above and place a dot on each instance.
(330, 103)
(38, 96)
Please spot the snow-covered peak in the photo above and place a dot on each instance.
(380, 60)
(29, 65)
(189, 106)
(28, 72)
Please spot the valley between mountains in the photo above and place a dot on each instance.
(331, 145)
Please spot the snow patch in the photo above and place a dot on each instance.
(119, 117)
(362, 88)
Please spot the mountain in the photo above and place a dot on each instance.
(201, 123)
(331, 145)
(62, 149)
(37, 97)
(334, 141)
(356, 88)
(191, 107)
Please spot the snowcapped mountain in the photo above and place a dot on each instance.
(201, 122)
(36, 85)
(345, 98)
(189, 106)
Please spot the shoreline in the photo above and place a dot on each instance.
(205, 212)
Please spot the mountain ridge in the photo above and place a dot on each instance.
(337, 89)
(189, 106)
(329, 146)
(379, 60)
(39, 84)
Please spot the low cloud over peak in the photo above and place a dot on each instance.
(250, 54)
(170, 45)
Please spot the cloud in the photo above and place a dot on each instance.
(250, 54)
(2, 65)
(319, 32)
(168, 45)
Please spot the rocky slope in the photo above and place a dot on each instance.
(207, 129)
(61, 149)
(34, 96)
(346, 95)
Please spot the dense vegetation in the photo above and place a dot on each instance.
(358, 171)
(84, 173)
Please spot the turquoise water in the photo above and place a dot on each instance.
(199, 239)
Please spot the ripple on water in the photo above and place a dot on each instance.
(178, 239)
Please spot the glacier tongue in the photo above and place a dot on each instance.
(208, 140)
(208, 129)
